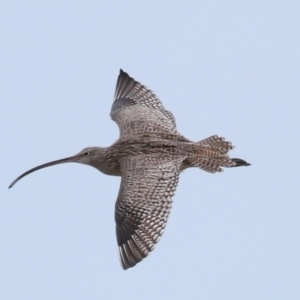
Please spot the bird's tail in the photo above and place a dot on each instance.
(211, 154)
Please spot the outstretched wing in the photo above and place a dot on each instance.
(138, 111)
(144, 203)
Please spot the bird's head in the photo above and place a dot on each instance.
(87, 156)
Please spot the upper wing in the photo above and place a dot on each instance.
(144, 203)
(138, 111)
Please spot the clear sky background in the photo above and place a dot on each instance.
(230, 68)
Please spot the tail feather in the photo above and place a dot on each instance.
(217, 144)
(240, 162)
(211, 154)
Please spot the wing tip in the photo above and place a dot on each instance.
(131, 254)
(123, 73)
(127, 257)
(123, 76)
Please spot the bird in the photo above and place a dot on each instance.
(149, 155)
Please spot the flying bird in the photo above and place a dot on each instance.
(149, 156)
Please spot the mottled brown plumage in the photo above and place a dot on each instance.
(149, 155)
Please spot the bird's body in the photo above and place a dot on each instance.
(149, 155)
(107, 160)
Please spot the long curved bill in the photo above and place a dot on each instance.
(49, 164)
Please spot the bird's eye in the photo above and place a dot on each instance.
(86, 153)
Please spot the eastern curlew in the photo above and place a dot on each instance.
(149, 155)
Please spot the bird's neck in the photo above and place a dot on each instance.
(106, 161)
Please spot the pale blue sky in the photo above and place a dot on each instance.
(230, 68)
